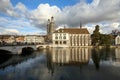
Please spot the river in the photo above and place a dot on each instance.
(64, 64)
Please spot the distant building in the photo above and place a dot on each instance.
(39, 39)
(117, 40)
(33, 39)
(19, 39)
(9, 39)
(50, 28)
(71, 37)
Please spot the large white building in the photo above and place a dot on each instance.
(33, 39)
(71, 37)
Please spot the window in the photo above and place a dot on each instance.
(60, 37)
(56, 37)
(64, 42)
(64, 37)
(56, 42)
(60, 42)
(64, 34)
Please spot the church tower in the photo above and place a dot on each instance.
(50, 28)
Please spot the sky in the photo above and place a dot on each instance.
(22, 17)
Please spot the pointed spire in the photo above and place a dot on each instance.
(80, 25)
(64, 26)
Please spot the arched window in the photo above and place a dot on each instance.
(64, 42)
(56, 42)
(60, 42)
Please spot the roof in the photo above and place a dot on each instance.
(73, 31)
(4, 36)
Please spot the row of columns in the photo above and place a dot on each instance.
(79, 40)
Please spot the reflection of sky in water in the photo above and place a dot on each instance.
(29, 69)
(41, 66)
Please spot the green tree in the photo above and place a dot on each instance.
(96, 36)
(106, 39)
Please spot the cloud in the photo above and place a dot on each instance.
(8, 31)
(97, 12)
(4, 5)
(109, 27)
(18, 25)
(40, 15)
(7, 8)
(12, 31)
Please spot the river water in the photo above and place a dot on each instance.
(64, 64)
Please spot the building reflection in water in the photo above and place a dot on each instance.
(117, 54)
(49, 61)
(70, 56)
(81, 56)
(67, 57)
(117, 57)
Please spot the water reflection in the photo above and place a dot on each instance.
(117, 57)
(67, 57)
(72, 56)
(117, 54)
(9, 59)
(96, 56)
(82, 56)
(65, 64)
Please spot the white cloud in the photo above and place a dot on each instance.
(4, 5)
(115, 25)
(40, 15)
(96, 12)
(8, 31)
(105, 28)
(21, 7)
(7, 8)
(107, 11)
(11, 31)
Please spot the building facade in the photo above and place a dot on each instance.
(9, 39)
(71, 37)
(33, 39)
(19, 39)
(117, 40)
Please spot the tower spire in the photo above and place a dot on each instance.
(80, 25)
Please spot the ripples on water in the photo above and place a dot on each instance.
(64, 64)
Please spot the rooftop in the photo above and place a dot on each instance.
(73, 31)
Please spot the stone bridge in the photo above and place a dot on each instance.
(18, 49)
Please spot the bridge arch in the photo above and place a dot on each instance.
(15, 49)
(4, 51)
